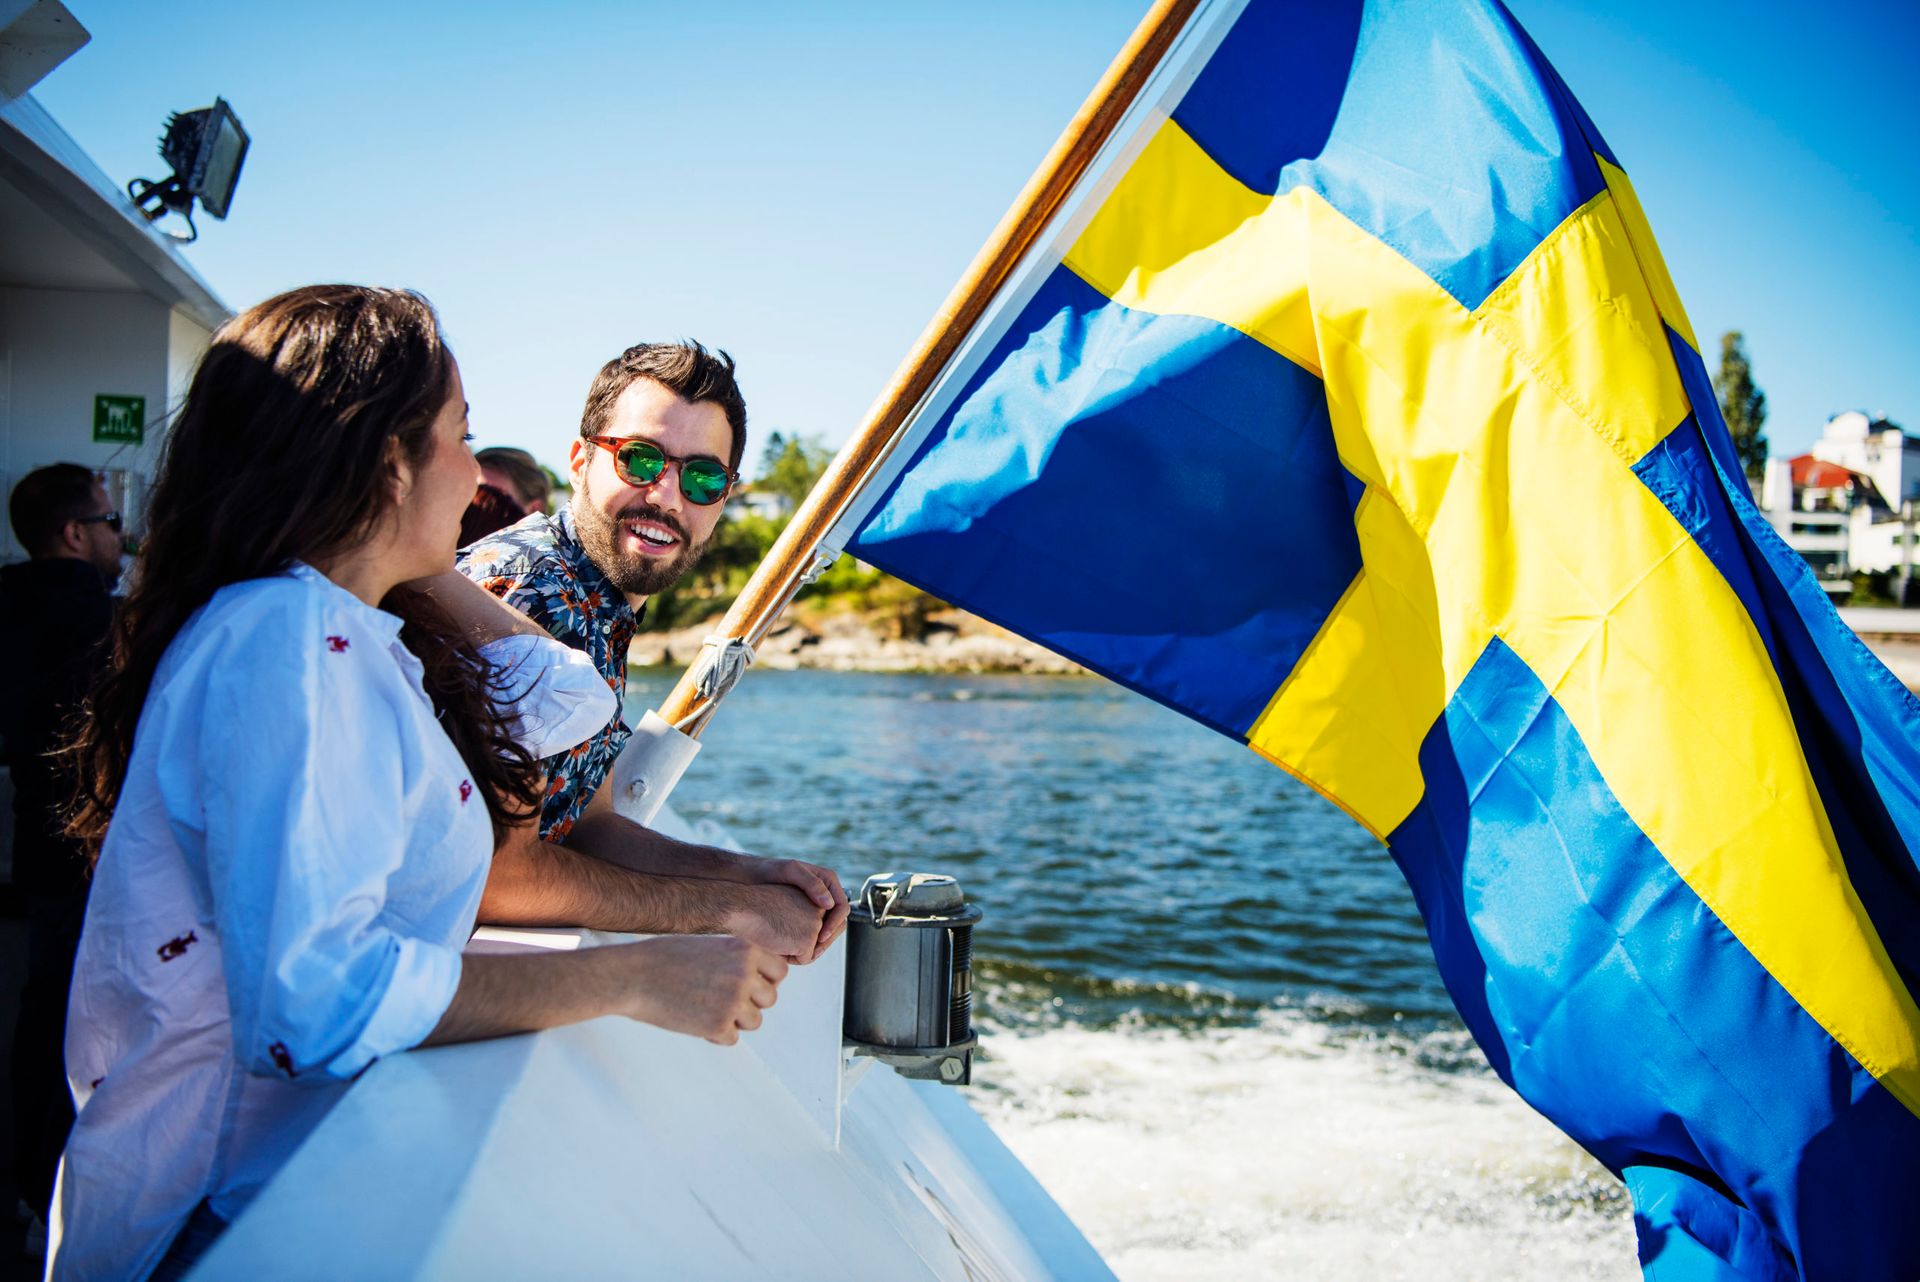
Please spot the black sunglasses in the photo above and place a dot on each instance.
(109, 519)
(702, 480)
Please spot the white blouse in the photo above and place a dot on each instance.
(294, 864)
(557, 696)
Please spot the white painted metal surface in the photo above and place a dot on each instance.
(649, 766)
(613, 1149)
(35, 37)
(616, 1150)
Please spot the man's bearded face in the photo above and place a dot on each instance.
(642, 548)
(646, 537)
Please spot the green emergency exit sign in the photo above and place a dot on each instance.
(120, 419)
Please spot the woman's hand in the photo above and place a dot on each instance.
(710, 986)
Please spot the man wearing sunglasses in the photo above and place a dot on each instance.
(658, 452)
(54, 613)
(62, 513)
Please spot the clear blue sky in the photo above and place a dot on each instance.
(801, 184)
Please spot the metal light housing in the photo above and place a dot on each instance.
(910, 976)
(206, 149)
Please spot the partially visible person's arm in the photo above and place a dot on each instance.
(708, 987)
(605, 834)
(538, 883)
(477, 612)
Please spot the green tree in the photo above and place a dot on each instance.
(1742, 403)
(790, 465)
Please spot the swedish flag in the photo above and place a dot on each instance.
(1360, 421)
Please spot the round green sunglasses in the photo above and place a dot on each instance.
(702, 480)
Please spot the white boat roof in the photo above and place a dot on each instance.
(70, 226)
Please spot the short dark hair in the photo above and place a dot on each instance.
(686, 369)
(530, 480)
(45, 500)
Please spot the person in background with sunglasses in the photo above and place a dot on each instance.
(55, 610)
(518, 475)
(660, 444)
(62, 513)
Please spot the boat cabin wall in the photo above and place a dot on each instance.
(62, 348)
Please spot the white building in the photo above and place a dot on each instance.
(1872, 446)
(1838, 505)
(101, 317)
(762, 503)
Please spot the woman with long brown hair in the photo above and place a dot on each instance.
(296, 773)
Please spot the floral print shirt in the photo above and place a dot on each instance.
(538, 566)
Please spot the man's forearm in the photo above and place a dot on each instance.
(605, 835)
(536, 883)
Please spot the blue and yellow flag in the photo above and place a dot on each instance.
(1357, 418)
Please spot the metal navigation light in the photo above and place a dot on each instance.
(205, 149)
(909, 999)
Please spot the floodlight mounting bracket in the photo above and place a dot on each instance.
(169, 196)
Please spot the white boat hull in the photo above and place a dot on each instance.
(614, 1149)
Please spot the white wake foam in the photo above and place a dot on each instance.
(1291, 1151)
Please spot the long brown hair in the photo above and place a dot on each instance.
(280, 453)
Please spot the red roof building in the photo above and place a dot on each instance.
(1838, 504)
(1810, 473)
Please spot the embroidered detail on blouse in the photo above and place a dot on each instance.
(177, 946)
(337, 644)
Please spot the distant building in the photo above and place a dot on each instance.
(751, 502)
(1871, 445)
(1838, 505)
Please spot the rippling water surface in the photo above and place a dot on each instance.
(1131, 863)
(1214, 1027)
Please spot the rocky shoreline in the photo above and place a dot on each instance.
(957, 642)
(952, 641)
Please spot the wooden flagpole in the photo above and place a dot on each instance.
(784, 571)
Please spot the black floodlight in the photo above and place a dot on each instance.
(205, 149)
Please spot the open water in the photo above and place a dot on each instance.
(1212, 1023)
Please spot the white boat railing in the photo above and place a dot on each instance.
(615, 1149)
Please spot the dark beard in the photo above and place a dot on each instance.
(633, 574)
